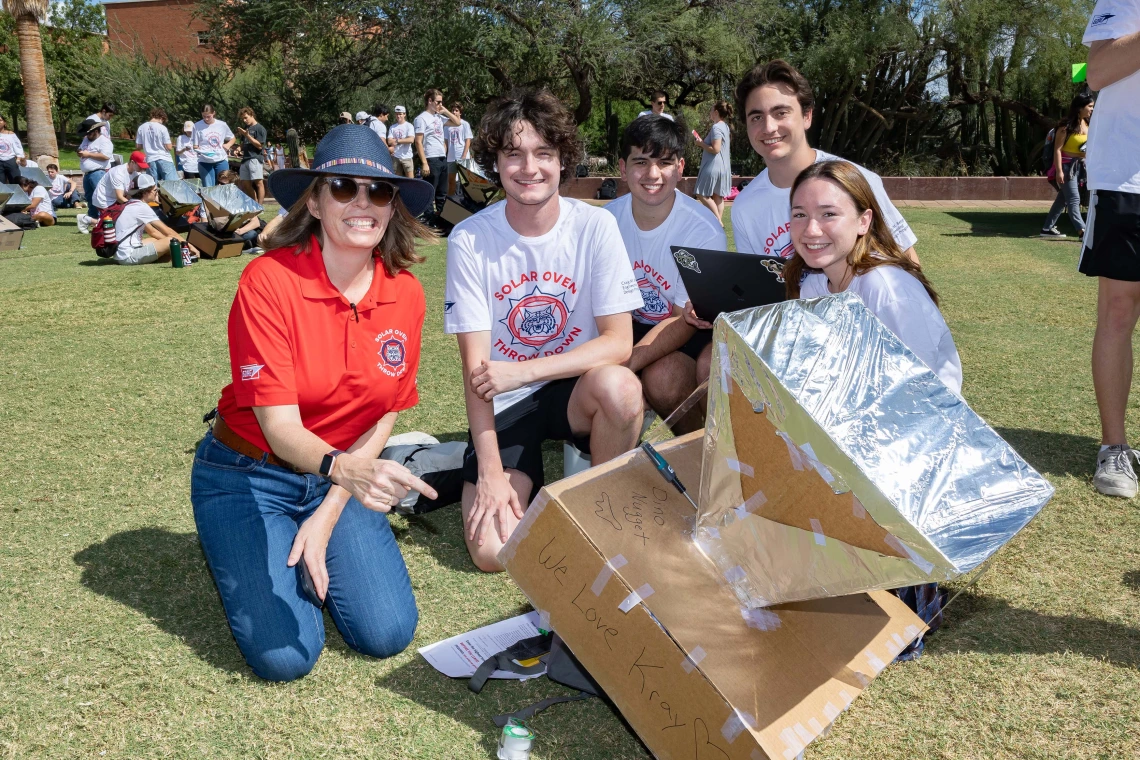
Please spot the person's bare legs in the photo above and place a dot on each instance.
(1118, 308)
(45, 219)
(704, 361)
(710, 204)
(718, 208)
(607, 403)
(486, 557)
(667, 382)
(259, 191)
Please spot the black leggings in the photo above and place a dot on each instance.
(9, 171)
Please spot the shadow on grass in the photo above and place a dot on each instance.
(164, 576)
(992, 626)
(998, 224)
(1054, 453)
(97, 263)
(1131, 579)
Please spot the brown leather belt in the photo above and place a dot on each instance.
(228, 437)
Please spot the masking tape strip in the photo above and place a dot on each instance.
(635, 598)
(507, 553)
(897, 544)
(735, 574)
(803, 734)
(830, 711)
(857, 507)
(736, 724)
(606, 573)
(751, 504)
(693, 660)
(792, 743)
(912, 631)
(544, 620)
(761, 619)
(893, 648)
(814, 725)
(819, 466)
(741, 467)
(899, 640)
(817, 529)
(847, 698)
(793, 450)
(874, 662)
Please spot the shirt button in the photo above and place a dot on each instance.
(354, 344)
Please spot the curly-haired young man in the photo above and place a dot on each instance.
(539, 292)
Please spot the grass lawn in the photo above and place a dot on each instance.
(112, 638)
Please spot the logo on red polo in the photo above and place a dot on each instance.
(251, 371)
(536, 319)
(393, 352)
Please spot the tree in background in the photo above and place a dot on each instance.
(37, 100)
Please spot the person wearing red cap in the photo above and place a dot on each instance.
(117, 182)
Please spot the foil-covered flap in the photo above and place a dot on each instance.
(6, 192)
(228, 207)
(34, 172)
(16, 196)
(179, 193)
(836, 462)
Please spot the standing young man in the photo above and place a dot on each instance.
(103, 116)
(776, 102)
(458, 143)
(539, 291)
(378, 123)
(401, 135)
(431, 145)
(252, 169)
(153, 139)
(653, 216)
(657, 106)
(1111, 250)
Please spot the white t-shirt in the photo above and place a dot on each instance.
(210, 140)
(131, 224)
(10, 146)
(430, 125)
(153, 137)
(1112, 157)
(538, 296)
(119, 177)
(378, 127)
(189, 159)
(457, 137)
(400, 132)
(668, 116)
(689, 223)
(762, 214)
(104, 130)
(45, 206)
(59, 186)
(900, 302)
(101, 145)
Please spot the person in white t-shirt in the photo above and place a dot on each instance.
(401, 135)
(843, 243)
(212, 141)
(431, 143)
(538, 291)
(40, 208)
(1111, 249)
(11, 154)
(185, 153)
(118, 182)
(103, 116)
(458, 144)
(657, 106)
(153, 138)
(94, 159)
(64, 191)
(143, 238)
(378, 122)
(651, 217)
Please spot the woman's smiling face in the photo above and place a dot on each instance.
(358, 223)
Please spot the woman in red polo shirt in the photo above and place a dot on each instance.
(289, 496)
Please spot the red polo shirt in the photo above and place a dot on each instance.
(294, 339)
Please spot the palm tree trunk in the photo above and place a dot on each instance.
(37, 100)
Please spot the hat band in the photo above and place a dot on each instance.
(342, 161)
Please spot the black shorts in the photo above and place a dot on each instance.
(692, 348)
(1112, 236)
(522, 428)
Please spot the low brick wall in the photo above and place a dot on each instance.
(898, 188)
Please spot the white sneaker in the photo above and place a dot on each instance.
(83, 224)
(1114, 473)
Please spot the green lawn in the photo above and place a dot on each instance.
(112, 638)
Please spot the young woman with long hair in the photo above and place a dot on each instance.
(1068, 160)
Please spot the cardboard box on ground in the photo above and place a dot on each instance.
(10, 235)
(607, 558)
(212, 244)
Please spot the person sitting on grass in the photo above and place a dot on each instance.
(143, 237)
(843, 243)
(40, 209)
(538, 293)
(653, 216)
(64, 191)
(288, 492)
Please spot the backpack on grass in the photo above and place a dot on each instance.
(103, 236)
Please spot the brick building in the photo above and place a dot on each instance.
(159, 29)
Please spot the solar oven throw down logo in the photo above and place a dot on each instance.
(393, 352)
(536, 319)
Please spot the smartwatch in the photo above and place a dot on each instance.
(327, 463)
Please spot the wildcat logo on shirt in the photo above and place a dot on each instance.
(393, 352)
(656, 306)
(534, 321)
(214, 140)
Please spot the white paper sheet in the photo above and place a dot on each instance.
(460, 656)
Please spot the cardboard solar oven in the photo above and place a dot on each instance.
(837, 462)
(473, 192)
(227, 209)
(834, 465)
(177, 197)
(17, 199)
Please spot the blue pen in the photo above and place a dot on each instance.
(666, 471)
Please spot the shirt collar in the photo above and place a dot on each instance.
(315, 282)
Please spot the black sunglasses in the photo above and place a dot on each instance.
(344, 190)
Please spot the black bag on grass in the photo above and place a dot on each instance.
(22, 220)
(440, 465)
(608, 190)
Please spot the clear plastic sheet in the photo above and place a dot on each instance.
(228, 207)
(16, 196)
(179, 194)
(836, 462)
(35, 172)
(6, 192)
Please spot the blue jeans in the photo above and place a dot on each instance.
(1069, 196)
(162, 170)
(90, 182)
(248, 512)
(209, 172)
